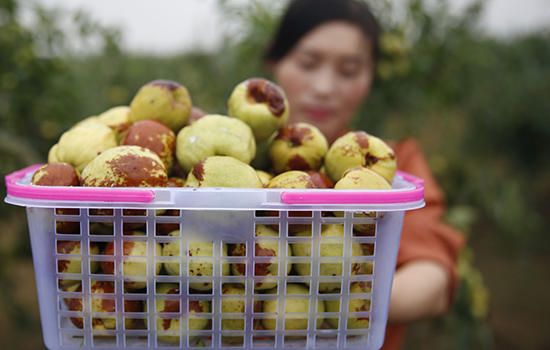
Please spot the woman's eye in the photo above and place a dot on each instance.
(307, 63)
(350, 70)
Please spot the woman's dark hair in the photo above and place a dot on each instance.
(301, 16)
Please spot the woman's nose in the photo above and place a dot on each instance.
(324, 82)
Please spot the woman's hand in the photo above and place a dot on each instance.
(420, 290)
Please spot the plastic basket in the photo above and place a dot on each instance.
(122, 304)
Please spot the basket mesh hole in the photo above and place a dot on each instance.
(329, 322)
(102, 323)
(167, 212)
(358, 321)
(266, 286)
(69, 265)
(200, 341)
(361, 268)
(100, 212)
(164, 228)
(332, 287)
(134, 323)
(136, 340)
(332, 268)
(132, 226)
(267, 213)
(367, 249)
(299, 229)
(134, 212)
(233, 323)
(295, 340)
(232, 341)
(67, 211)
(364, 230)
(267, 230)
(101, 229)
(326, 340)
(169, 339)
(360, 287)
(67, 227)
(263, 341)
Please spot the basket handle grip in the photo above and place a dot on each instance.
(83, 194)
(373, 197)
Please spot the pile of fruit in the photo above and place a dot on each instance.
(160, 140)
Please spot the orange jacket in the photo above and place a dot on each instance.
(424, 235)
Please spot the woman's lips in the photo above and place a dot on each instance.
(318, 113)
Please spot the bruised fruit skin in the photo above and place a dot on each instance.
(222, 171)
(74, 265)
(164, 100)
(56, 174)
(261, 104)
(292, 179)
(117, 118)
(196, 267)
(215, 135)
(293, 305)
(359, 149)
(153, 135)
(328, 249)
(125, 166)
(299, 146)
(320, 180)
(81, 144)
(355, 305)
(132, 267)
(262, 247)
(173, 306)
(103, 304)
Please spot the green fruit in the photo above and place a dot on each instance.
(196, 267)
(261, 104)
(362, 178)
(292, 305)
(214, 135)
(355, 305)
(82, 144)
(222, 171)
(132, 248)
(291, 179)
(173, 306)
(166, 101)
(359, 149)
(125, 166)
(263, 247)
(299, 146)
(328, 249)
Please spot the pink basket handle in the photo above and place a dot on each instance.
(373, 197)
(84, 194)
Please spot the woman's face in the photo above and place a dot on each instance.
(326, 76)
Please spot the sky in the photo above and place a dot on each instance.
(170, 26)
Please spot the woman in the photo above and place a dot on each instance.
(324, 57)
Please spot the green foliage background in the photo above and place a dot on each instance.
(479, 106)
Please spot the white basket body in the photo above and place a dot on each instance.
(207, 216)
